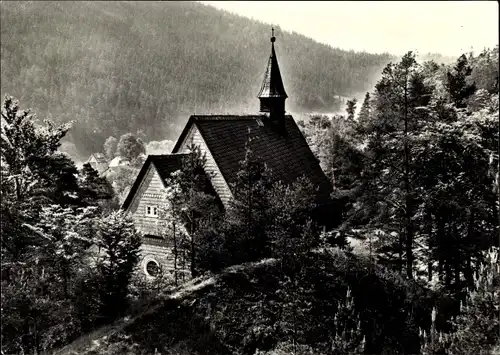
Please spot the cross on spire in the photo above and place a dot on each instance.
(273, 39)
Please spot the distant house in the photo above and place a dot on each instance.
(117, 162)
(98, 161)
(273, 135)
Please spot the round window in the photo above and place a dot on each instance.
(152, 268)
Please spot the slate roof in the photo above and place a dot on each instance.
(281, 146)
(164, 165)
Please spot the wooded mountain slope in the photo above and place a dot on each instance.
(118, 67)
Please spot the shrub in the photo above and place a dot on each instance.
(477, 327)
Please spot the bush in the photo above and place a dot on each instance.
(118, 243)
(477, 327)
(144, 290)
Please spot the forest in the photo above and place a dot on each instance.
(412, 268)
(116, 68)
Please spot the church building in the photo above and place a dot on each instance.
(274, 138)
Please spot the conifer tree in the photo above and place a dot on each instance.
(400, 94)
(190, 206)
(173, 228)
(94, 188)
(365, 111)
(457, 84)
(351, 108)
(246, 214)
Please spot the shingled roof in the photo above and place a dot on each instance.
(277, 143)
(164, 164)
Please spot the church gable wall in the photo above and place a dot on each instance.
(148, 195)
(220, 186)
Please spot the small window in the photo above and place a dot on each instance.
(152, 211)
(152, 268)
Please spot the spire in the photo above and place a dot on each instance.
(272, 93)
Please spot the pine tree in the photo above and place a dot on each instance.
(457, 84)
(173, 228)
(94, 188)
(365, 111)
(291, 232)
(246, 215)
(351, 108)
(190, 206)
(399, 97)
(461, 213)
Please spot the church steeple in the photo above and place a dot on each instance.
(272, 94)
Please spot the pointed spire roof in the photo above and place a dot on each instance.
(272, 86)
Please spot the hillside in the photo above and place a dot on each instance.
(251, 307)
(118, 67)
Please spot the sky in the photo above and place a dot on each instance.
(446, 27)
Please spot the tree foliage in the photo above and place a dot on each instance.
(426, 142)
(93, 187)
(26, 146)
(49, 288)
(477, 327)
(110, 147)
(130, 148)
(118, 247)
(457, 84)
(190, 207)
(265, 218)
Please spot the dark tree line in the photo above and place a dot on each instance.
(419, 167)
